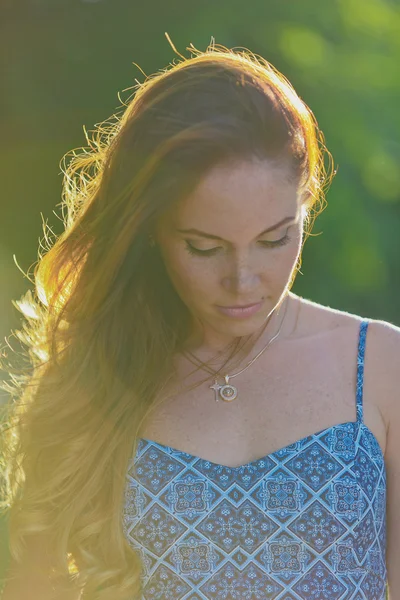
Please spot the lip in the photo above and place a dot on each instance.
(240, 311)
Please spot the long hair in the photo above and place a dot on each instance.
(104, 322)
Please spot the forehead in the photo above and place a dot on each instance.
(235, 199)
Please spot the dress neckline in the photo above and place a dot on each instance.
(358, 423)
(256, 462)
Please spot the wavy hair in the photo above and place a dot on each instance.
(103, 322)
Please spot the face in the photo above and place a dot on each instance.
(233, 242)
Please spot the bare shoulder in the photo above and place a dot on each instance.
(318, 318)
(322, 317)
(382, 350)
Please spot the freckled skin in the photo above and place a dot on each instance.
(235, 202)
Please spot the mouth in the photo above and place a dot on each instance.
(242, 305)
(240, 310)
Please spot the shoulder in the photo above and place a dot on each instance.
(382, 350)
(317, 319)
(320, 317)
(383, 337)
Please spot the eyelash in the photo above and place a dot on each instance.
(213, 251)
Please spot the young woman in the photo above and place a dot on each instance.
(191, 428)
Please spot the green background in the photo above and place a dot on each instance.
(64, 62)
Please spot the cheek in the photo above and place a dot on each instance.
(278, 265)
(191, 278)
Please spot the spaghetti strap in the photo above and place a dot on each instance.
(360, 369)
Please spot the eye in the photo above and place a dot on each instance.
(192, 250)
(281, 242)
(211, 251)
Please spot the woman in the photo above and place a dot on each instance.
(192, 429)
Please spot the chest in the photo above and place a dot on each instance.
(304, 387)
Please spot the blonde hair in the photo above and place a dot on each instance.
(99, 341)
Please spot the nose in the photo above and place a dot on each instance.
(242, 280)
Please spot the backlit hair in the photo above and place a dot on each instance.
(104, 322)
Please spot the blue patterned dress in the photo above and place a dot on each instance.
(307, 522)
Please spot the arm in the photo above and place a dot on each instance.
(393, 487)
(385, 368)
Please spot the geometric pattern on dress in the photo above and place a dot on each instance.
(307, 521)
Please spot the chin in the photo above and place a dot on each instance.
(241, 326)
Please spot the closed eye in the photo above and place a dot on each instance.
(281, 242)
(211, 251)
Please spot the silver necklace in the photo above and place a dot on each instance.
(227, 391)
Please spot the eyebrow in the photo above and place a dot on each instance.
(216, 237)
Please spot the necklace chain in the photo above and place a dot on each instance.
(197, 362)
(227, 391)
